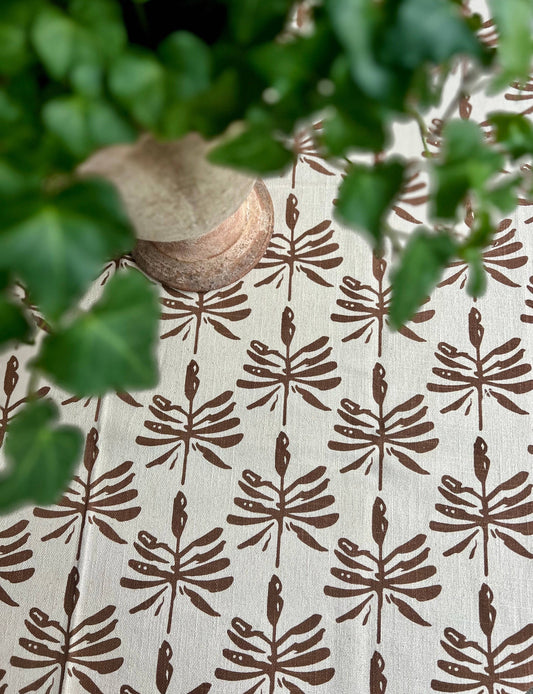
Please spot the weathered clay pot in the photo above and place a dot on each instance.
(199, 226)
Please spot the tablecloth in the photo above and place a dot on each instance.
(307, 501)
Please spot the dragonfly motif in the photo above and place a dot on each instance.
(479, 376)
(528, 317)
(62, 651)
(379, 579)
(368, 307)
(191, 310)
(123, 396)
(295, 372)
(280, 506)
(486, 513)
(306, 253)
(93, 500)
(13, 554)
(276, 659)
(180, 569)
(487, 668)
(378, 681)
(391, 431)
(306, 150)
(200, 428)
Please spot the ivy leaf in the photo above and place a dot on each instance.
(54, 39)
(255, 150)
(514, 132)
(477, 276)
(467, 164)
(367, 193)
(57, 245)
(422, 263)
(514, 20)
(255, 21)
(13, 323)
(137, 81)
(189, 62)
(110, 347)
(40, 456)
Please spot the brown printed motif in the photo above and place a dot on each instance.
(412, 194)
(378, 681)
(3, 687)
(164, 674)
(62, 651)
(295, 372)
(190, 310)
(94, 501)
(482, 666)
(124, 397)
(113, 266)
(379, 579)
(500, 257)
(477, 376)
(521, 94)
(279, 506)
(486, 513)
(528, 317)
(12, 557)
(199, 429)
(306, 151)
(305, 253)
(368, 307)
(372, 434)
(180, 569)
(9, 408)
(276, 659)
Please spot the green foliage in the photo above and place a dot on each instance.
(41, 456)
(113, 342)
(78, 75)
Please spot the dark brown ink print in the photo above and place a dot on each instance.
(528, 317)
(124, 397)
(113, 266)
(373, 434)
(3, 687)
(305, 148)
(93, 501)
(378, 681)
(378, 579)
(306, 253)
(63, 650)
(521, 94)
(276, 659)
(501, 256)
(487, 668)
(413, 194)
(477, 376)
(289, 373)
(368, 307)
(486, 513)
(164, 674)
(190, 310)
(278, 506)
(12, 556)
(9, 408)
(178, 569)
(33, 310)
(200, 428)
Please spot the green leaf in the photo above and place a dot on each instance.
(421, 266)
(477, 277)
(13, 48)
(428, 31)
(254, 150)
(367, 193)
(514, 132)
(13, 323)
(137, 81)
(467, 164)
(189, 62)
(40, 456)
(514, 21)
(110, 347)
(256, 21)
(54, 37)
(57, 245)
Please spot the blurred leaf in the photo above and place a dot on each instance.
(137, 81)
(423, 260)
(13, 323)
(255, 21)
(514, 132)
(54, 37)
(189, 62)
(40, 456)
(514, 21)
(110, 347)
(253, 150)
(367, 193)
(467, 164)
(57, 245)
(477, 276)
